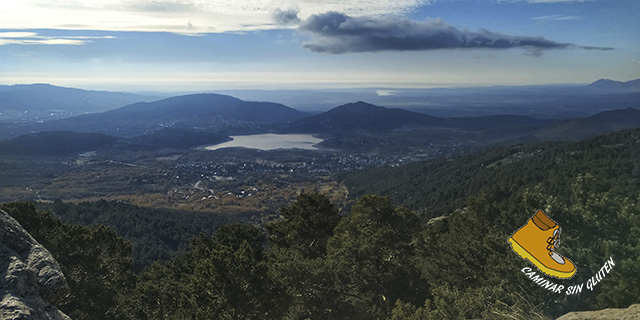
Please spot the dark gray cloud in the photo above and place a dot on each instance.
(595, 48)
(285, 17)
(334, 32)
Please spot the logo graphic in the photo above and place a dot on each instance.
(537, 241)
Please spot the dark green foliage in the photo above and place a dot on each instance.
(55, 143)
(160, 293)
(439, 187)
(601, 123)
(63, 143)
(156, 235)
(590, 188)
(372, 250)
(233, 275)
(473, 273)
(224, 277)
(601, 222)
(94, 260)
(298, 249)
(305, 226)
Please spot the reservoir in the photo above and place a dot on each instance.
(270, 141)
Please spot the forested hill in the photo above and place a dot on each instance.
(360, 116)
(203, 111)
(581, 128)
(437, 187)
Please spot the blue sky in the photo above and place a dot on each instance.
(207, 45)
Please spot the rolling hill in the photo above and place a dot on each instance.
(580, 128)
(440, 186)
(360, 116)
(212, 112)
(42, 102)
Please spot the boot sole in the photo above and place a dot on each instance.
(524, 254)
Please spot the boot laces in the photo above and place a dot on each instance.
(554, 241)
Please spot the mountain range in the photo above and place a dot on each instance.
(539, 101)
(193, 120)
(44, 102)
(210, 118)
(364, 117)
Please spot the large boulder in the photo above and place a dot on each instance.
(631, 313)
(31, 282)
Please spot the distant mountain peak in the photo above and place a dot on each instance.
(604, 80)
(358, 106)
(201, 96)
(39, 84)
(615, 86)
(363, 103)
(362, 116)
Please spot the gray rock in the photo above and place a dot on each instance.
(631, 313)
(31, 281)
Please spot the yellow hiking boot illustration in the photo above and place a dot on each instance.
(537, 241)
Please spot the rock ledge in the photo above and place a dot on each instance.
(31, 281)
(631, 313)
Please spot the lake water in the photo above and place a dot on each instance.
(270, 141)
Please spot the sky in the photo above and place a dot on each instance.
(208, 45)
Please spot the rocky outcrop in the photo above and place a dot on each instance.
(631, 313)
(31, 281)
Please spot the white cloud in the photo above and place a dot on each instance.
(386, 93)
(40, 42)
(32, 38)
(556, 17)
(18, 34)
(178, 16)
